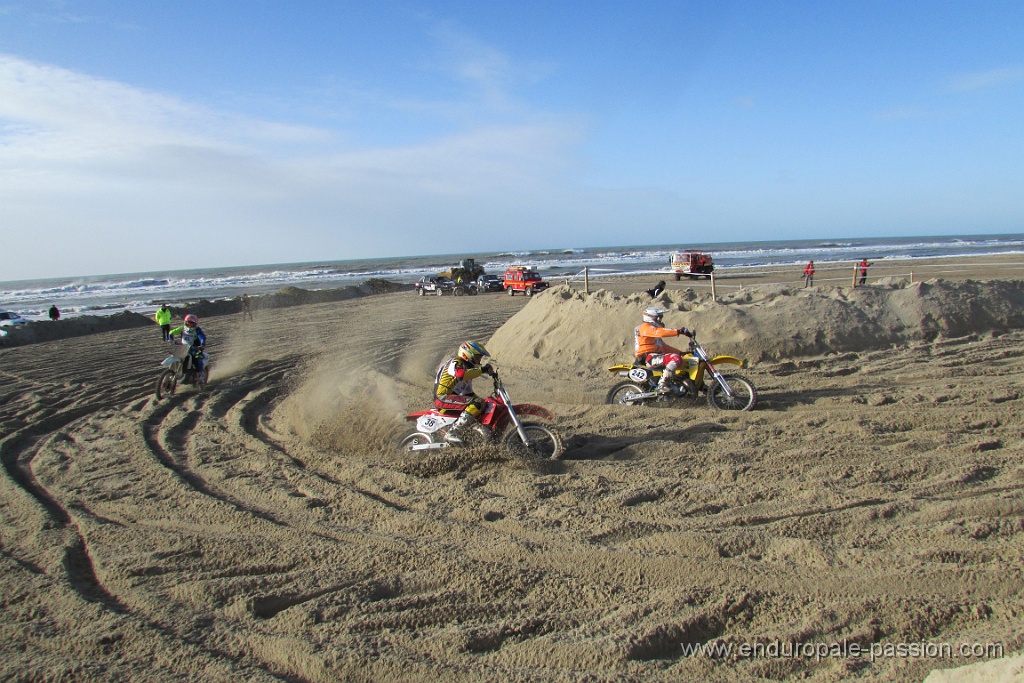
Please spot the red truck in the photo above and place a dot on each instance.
(693, 263)
(523, 279)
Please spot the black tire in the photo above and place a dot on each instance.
(419, 290)
(744, 394)
(620, 392)
(473, 291)
(440, 292)
(545, 443)
(406, 442)
(511, 292)
(529, 291)
(166, 383)
(203, 379)
(458, 291)
(678, 277)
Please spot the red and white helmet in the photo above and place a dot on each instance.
(191, 320)
(653, 315)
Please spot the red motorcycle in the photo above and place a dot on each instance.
(498, 423)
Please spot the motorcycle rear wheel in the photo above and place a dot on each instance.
(620, 393)
(166, 384)
(545, 444)
(744, 395)
(406, 442)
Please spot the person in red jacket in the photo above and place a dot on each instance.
(809, 274)
(864, 271)
(651, 348)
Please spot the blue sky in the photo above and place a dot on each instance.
(150, 135)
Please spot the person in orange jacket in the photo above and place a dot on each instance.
(809, 274)
(651, 348)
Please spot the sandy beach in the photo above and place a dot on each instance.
(267, 530)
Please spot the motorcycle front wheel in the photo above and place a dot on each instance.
(621, 394)
(743, 394)
(406, 442)
(166, 384)
(545, 444)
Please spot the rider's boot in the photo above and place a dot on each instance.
(665, 383)
(453, 433)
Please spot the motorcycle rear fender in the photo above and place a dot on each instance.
(621, 368)
(531, 409)
(728, 360)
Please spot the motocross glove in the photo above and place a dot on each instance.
(685, 332)
(489, 370)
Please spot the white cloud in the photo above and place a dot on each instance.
(95, 174)
(983, 80)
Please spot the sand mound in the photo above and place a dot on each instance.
(41, 331)
(291, 296)
(767, 323)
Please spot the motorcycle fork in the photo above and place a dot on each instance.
(718, 377)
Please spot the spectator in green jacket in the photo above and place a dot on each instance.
(163, 319)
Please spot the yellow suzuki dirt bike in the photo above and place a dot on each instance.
(697, 373)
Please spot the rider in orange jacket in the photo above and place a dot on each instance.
(652, 349)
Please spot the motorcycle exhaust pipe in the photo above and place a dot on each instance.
(429, 446)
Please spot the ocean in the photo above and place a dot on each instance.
(144, 292)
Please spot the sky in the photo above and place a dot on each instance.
(142, 136)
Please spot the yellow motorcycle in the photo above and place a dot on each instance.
(697, 373)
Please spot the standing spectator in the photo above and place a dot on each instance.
(809, 274)
(246, 307)
(864, 265)
(54, 313)
(163, 319)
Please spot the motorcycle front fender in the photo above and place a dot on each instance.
(535, 410)
(168, 362)
(728, 360)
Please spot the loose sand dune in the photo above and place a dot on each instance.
(266, 530)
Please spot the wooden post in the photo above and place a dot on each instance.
(911, 277)
(855, 276)
(586, 279)
(713, 297)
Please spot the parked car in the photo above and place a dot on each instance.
(436, 284)
(523, 279)
(489, 283)
(10, 319)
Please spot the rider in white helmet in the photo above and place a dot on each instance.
(652, 349)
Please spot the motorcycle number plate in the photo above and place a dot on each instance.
(638, 375)
(431, 423)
